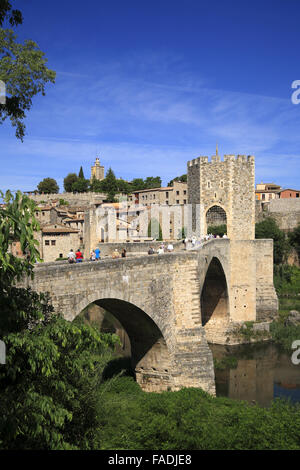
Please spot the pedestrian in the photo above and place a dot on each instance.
(124, 253)
(71, 256)
(79, 256)
(97, 253)
(116, 254)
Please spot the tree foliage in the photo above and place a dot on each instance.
(81, 174)
(81, 185)
(180, 179)
(217, 229)
(191, 419)
(17, 224)
(7, 13)
(151, 182)
(48, 186)
(294, 239)
(22, 69)
(268, 228)
(53, 367)
(68, 182)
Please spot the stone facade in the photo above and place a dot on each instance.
(170, 195)
(97, 171)
(56, 241)
(243, 291)
(156, 299)
(74, 199)
(228, 185)
(286, 212)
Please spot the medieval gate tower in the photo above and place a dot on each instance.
(222, 192)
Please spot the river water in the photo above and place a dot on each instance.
(257, 373)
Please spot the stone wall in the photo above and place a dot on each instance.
(133, 247)
(81, 199)
(286, 212)
(228, 184)
(156, 299)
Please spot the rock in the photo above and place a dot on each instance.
(293, 318)
(263, 326)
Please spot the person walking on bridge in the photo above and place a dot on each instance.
(79, 256)
(97, 253)
(71, 256)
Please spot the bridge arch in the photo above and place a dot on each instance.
(214, 295)
(150, 355)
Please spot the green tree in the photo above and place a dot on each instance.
(137, 184)
(110, 185)
(181, 179)
(268, 228)
(81, 185)
(17, 223)
(48, 186)
(6, 12)
(96, 186)
(22, 69)
(217, 229)
(294, 239)
(123, 186)
(81, 174)
(152, 182)
(53, 367)
(69, 180)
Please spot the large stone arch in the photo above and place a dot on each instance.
(215, 306)
(150, 354)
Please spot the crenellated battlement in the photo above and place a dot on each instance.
(217, 159)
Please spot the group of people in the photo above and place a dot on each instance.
(162, 249)
(95, 255)
(192, 242)
(75, 257)
(78, 256)
(116, 254)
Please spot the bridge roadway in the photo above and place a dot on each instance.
(162, 301)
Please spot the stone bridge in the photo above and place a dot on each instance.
(169, 304)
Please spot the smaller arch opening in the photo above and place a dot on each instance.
(214, 295)
(216, 216)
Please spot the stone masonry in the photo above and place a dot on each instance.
(245, 291)
(157, 301)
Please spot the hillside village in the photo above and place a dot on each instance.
(80, 219)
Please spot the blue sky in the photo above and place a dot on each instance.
(148, 85)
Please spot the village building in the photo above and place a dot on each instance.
(289, 193)
(266, 191)
(170, 195)
(56, 241)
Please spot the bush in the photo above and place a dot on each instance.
(191, 419)
(217, 229)
(268, 228)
